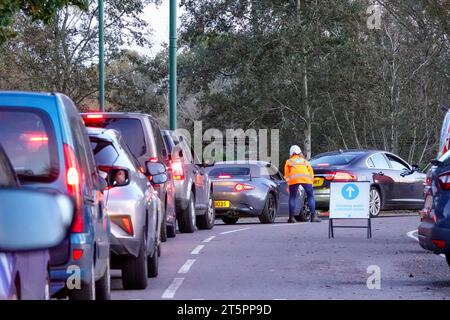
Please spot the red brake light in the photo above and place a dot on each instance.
(127, 225)
(439, 243)
(242, 187)
(225, 176)
(340, 176)
(74, 187)
(177, 170)
(94, 116)
(38, 139)
(153, 160)
(444, 181)
(77, 254)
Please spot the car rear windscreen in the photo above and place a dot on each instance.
(130, 129)
(229, 171)
(336, 159)
(28, 137)
(104, 153)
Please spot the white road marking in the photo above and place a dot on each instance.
(197, 249)
(412, 236)
(172, 289)
(226, 232)
(185, 268)
(289, 224)
(209, 239)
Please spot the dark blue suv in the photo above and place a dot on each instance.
(47, 144)
(434, 231)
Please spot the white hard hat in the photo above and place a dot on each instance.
(295, 150)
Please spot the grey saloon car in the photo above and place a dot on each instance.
(394, 184)
(252, 189)
(133, 207)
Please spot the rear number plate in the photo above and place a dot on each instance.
(318, 182)
(222, 204)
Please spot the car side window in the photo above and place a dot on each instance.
(379, 161)
(370, 163)
(396, 163)
(159, 139)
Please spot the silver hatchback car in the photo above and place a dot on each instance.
(133, 206)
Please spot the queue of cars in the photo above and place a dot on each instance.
(115, 185)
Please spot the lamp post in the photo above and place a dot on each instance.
(101, 54)
(173, 66)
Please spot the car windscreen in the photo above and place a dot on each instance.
(104, 152)
(229, 172)
(130, 129)
(335, 159)
(28, 137)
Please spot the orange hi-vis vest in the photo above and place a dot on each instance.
(298, 170)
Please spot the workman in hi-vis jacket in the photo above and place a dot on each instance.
(298, 172)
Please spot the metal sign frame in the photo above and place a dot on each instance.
(331, 225)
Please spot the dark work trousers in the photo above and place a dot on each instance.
(293, 189)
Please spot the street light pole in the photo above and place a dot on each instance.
(173, 66)
(101, 62)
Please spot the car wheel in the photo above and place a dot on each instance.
(206, 221)
(374, 202)
(305, 213)
(172, 229)
(164, 228)
(447, 257)
(47, 287)
(230, 220)
(270, 210)
(87, 290)
(103, 285)
(153, 262)
(134, 270)
(187, 218)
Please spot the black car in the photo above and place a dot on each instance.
(434, 231)
(395, 184)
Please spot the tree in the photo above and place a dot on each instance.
(43, 10)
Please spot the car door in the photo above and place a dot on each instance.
(382, 176)
(92, 195)
(197, 172)
(283, 192)
(410, 186)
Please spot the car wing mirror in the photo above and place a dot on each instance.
(33, 220)
(155, 168)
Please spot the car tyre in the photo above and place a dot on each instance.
(269, 212)
(230, 220)
(164, 228)
(305, 213)
(186, 221)
(172, 229)
(134, 270)
(87, 290)
(153, 263)
(375, 203)
(206, 221)
(447, 257)
(103, 285)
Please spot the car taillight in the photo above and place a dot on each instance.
(177, 170)
(444, 181)
(94, 116)
(73, 181)
(153, 160)
(124, 222)
(242, 187)
(340, 176)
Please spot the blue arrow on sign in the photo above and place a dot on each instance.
(350, 191)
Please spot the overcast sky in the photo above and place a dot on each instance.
(158, 18)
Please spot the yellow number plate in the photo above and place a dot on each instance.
(318, 182)
(222, 204)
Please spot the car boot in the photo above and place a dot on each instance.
(315, 218)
